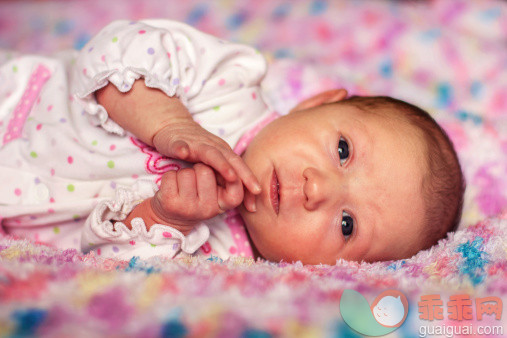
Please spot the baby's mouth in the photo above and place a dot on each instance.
(274, 192)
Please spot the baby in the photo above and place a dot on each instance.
(183, 157)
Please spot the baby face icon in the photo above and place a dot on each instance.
(390, 308)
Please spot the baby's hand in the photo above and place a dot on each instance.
(184, 139)
(191, 195)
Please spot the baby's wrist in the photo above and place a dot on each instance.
(150, 216)
(157, 215)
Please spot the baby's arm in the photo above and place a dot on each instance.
(165, 123)
(120, 68)
(123, 228)
(185, 198)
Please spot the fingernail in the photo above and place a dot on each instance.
(257, 189)
(222, 209)
(232, 174)
(253, 207)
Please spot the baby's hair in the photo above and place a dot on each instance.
(444, 184)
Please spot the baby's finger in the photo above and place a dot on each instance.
(245, 174)
(215, 159)
(178, 149)
(206, 187)
(187, 186)
(169, 184)
(249, 201)
(231, 196)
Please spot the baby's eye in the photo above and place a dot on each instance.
(347, 224)
(343, 150)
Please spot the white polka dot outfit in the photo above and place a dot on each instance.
(68, 172)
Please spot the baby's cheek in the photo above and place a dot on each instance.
(253, 224)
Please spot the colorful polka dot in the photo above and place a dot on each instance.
(142, 31)
(95, 142)
(216, 108)
(167, 234)
(254, 96)
(56, 230)
(39, 126)
(115, 39)
(71, 187)
(221, 82)
(17, 192)
(33, 154)
(50, 107)
(151, 51)
(112, 147)
(110, 164)
(116, 249)
(70, 159)
(232, 250)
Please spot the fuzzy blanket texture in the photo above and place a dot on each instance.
(448, 57)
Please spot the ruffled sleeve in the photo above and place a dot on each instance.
(105, 234)
(171, 56)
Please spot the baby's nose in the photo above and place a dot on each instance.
(318, 188)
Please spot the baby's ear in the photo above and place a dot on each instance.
(329, 96)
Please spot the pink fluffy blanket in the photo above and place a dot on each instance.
(448, 57)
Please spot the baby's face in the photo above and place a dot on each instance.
(337, 182)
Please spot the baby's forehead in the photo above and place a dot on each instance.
(376, 115)
(382, 112)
